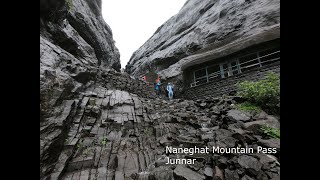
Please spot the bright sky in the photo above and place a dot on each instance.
(133, 22)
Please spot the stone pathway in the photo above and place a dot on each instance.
(117, 135)
(109, 137)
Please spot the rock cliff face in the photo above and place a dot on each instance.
(201, 26)
(78, 28)
(76, 49)
(98, 123)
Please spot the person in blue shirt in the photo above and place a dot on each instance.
(170, 90)
(157, 88)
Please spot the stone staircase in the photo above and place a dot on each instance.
(104, 140)
(117, 135)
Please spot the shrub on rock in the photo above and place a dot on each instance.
(264, 93)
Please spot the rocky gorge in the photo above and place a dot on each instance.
(98, 123)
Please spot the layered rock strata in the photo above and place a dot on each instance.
(205, 29)
(118, 135)
(77, 52)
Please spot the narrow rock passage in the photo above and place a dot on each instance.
(97, 123)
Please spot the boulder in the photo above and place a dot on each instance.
(250, 163)
(222, 162)
(218, 174)
(270, 143)
(186, 173)
(231, 175)
(237, 115)
(246, 177)
(208, 171)
(274, 123)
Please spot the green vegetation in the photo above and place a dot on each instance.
(264, 93)
(247, 106)
(270, 132)
(87, 151)
(79, 144)
(104, 141)
(69, 4)
(148, 131)
(82, 149)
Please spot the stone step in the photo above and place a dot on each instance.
(67, 176)
(76, 175)
(102, 173)
(93, 174)
(68, 105)
(84, 175)
(72, 134)
(84, 102)
(61, 165)
(81, 162)
(71, 143)
(79, 116)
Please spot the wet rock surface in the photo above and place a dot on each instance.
(118, 135)
(238, 115)
(77, 53)
(97, 123)
(95, 101)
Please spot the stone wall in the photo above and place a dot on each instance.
(227, 85)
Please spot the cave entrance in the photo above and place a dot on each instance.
(251, 59)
